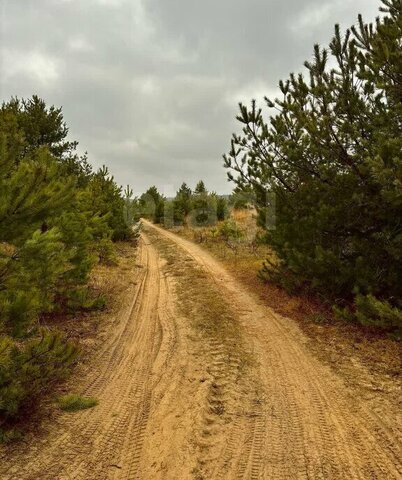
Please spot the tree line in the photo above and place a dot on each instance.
(58, 219)
(330, 154)
(197, 207)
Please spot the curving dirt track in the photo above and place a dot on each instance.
(199, 380)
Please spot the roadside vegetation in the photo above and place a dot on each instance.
(58, 220)
(324, 173)
(328, 162)
(75, 403)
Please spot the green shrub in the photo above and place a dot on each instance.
(29, 370)
(9, 435)
(230, 230)
(82, 299)
(106, 252)
(371, 311)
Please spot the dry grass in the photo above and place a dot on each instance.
(199, 299)
(343, 346)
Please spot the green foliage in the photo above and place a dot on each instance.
(27, 371)
(331, 156)
(75, 403)
(30, 278)
(57, 219)
(371, 311)
(9, 436)
(204, 206)
(230, 230)
(82, 299)
(152, 205)
(222, 210)
(182, 204)
(200, 188)
(242, 197)
(31, 190)
(106, 252)
(104, 198)
(199, 208)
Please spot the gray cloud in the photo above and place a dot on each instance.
(150, 87)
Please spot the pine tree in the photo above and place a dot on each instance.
(56, 218)
(152, 204)
(41, 126)
(27, 371)
(222, 210)
(200, 188)
(204, 206)
(332, 157)
(182, 204)
(104, 198)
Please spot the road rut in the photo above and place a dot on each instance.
(200, 380)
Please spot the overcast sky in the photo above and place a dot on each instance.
(150, 87)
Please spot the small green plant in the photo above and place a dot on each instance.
(29, 370)
(81, 299)
(74, 403)
(9, 436)
(230, 230)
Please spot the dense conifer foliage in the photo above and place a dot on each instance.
(331, 153)
(198, 207)
(57, 218)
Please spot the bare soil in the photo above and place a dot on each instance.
(198, 379)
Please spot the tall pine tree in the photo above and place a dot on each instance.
(332, 157)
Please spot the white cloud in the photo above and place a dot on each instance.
(34, 65)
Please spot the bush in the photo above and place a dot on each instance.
(106, 252)
(230, 230)
(29, 370)
(373, 312)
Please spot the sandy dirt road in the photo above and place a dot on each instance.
(199, 380)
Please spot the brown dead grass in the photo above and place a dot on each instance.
(365, 357)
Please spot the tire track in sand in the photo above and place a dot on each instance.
(309, 424)
(106, 442)
(176, 400)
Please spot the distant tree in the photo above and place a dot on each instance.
(242, 197)
(204, 206)
(200, 188)
(105, 199)
(152, 204)
(222, 211)
(182, 203)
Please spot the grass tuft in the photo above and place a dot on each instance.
(74, 403)
(9, 436)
